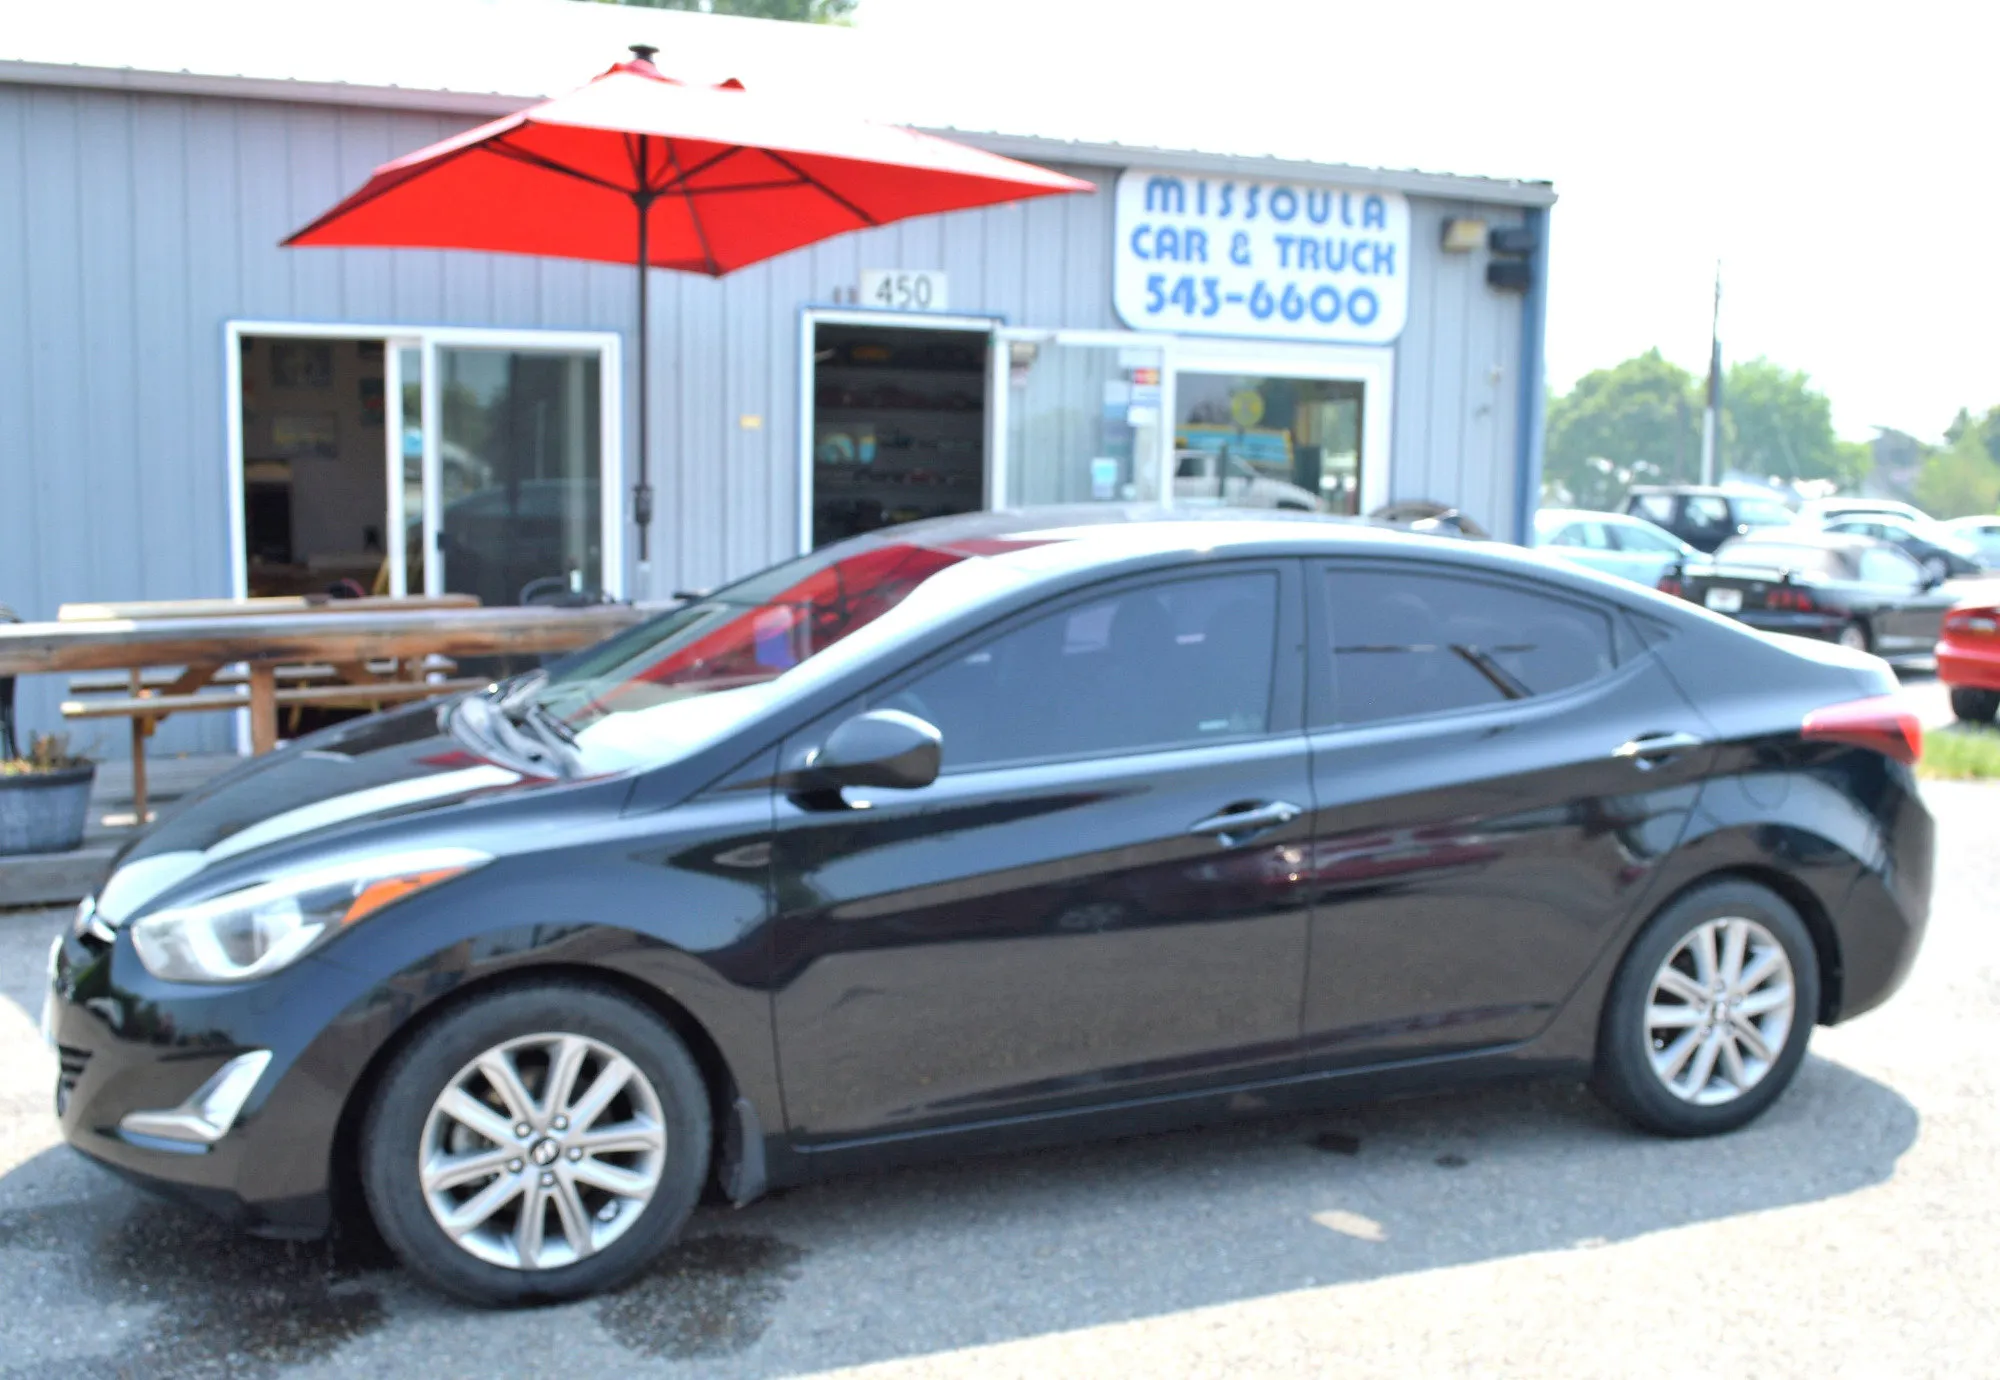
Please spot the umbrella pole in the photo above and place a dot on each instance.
(642, 492)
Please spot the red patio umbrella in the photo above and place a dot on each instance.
(639, 168)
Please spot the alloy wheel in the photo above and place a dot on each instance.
(1720, 1011)
(542, 1151)
(1855, 636)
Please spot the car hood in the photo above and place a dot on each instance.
(388, 765)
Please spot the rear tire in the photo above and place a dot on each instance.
(1975, 706)
(603, 1208)
(1680, 1054)
(1855, 635)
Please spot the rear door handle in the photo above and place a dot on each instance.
(1240, 823)
(1648, 750)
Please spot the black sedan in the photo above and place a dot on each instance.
(1856, 591)
(985, 833)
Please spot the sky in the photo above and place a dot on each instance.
(1837, 158)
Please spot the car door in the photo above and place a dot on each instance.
(1909, 614)
(1099, 897)
(1496, 767)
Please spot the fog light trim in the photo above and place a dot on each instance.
(210, 1111)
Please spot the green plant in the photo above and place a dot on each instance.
(1961, 754)
(46, 752)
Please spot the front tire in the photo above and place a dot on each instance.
(1708, 1018)
(539, 1143)
(1975, 706)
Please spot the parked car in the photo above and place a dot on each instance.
(1856, 591)
(1705, 518)
(1819, 511)
(1208, 477)
(1431, 519)
(1982, 534)
(1628, 547)
(1968, 661)
(1942, 555)
(982, 833)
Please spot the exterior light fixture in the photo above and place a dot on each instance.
(1462, 235)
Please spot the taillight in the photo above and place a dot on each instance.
(1881, 724)
(1789, 597)
(1671, 584)
(1972, 622)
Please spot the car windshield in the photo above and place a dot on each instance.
(678, 682)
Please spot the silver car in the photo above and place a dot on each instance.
(1628, 547)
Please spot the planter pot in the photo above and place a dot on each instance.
(44, 812)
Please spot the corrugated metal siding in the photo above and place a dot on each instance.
(133, 226)
(1458, 382)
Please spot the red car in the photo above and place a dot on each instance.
(1968, 661)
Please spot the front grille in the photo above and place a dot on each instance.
(70, 1064)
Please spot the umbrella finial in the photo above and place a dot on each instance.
(643, 52)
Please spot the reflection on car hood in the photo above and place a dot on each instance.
(377, 767)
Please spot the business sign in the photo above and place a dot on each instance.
(1250, 257)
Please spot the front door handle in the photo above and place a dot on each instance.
(1240, 823)
(1648, 750)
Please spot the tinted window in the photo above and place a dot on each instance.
(1408, 643)
(1707, 512)
(1654, 507)
(1882, 566)
(1156, 666)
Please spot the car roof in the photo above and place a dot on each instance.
(1053, 541)
(1593, 515)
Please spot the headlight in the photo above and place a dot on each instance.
(256, 931)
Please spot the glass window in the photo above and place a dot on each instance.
(1762, 512)
(1591, 535)
(1703, 511)
(1632, 536)
(1884, 566)
(1283, 442)
(1654, 508)
(1814, 560)
(1406, 644)
(1083, 423)
(1153, 667)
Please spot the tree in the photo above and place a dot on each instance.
(803, 11)
(1775, 423)
(1635, 423)
(1962, 479)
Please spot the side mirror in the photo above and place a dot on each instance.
(884, 747)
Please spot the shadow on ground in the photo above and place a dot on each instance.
(915, 1261)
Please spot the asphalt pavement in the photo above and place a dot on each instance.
(1855, 1230)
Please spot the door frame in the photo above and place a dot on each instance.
(428, 339)
(810, 319)
(1371, 366)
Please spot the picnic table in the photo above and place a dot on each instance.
(349, 653)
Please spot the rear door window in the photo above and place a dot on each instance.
(1706, 513)
(1633, 537)
(1405, 643)
(1884, 566)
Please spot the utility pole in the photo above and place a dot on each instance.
(1710, 413)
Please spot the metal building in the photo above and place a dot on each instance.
(186, 409)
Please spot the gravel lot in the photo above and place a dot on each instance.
(1855, 1230)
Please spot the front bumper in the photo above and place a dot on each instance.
(127, 1043)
